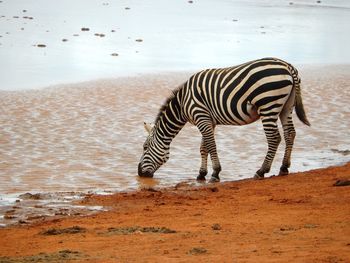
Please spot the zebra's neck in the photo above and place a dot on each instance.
(170, 119)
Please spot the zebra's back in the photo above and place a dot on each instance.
(241, 94)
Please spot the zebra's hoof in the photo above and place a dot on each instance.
(214, 179)
(283, 171)
(258, 177)
(201, 177)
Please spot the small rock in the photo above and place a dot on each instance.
(190, 2)
(64, 40)
(99, 35)
(216, 227)
(9, 216)
(342, 183)
(197, 250)
(214, 189)
(127, 8)
(114, 54)
(29, 196)
(85, 29)
(139, 40)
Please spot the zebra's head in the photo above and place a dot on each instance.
(155, 153)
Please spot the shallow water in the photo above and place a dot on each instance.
(88, 137)
(172, 35)
(65, 141)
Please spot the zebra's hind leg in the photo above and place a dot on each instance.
(203, 170)
(289, 135)
(207, 130)
(273, 140)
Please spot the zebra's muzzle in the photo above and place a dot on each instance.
(144, 173)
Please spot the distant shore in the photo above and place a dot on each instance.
(297, 218)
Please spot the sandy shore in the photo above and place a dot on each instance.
(302, 217)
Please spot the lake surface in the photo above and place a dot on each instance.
(157, 36)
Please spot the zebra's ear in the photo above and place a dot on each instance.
(148, 127)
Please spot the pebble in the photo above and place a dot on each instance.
(216, 227)
(100, 35)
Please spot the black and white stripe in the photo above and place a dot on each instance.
(265, 89)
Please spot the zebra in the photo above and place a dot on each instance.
(266, 89)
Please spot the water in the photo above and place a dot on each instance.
(89, 136)
(176, 35)
(67, 140)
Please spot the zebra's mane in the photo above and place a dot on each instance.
(166, 103)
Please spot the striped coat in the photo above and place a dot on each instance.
(266, 89)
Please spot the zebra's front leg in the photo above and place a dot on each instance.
(203, 170)
(208, 142)
(273, 140)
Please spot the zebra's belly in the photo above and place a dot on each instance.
(229, 118)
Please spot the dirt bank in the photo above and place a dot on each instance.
(302, 217)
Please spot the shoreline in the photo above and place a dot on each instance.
(70, 137)
(298, 217)
(160, 74)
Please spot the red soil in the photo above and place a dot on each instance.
(297, 218)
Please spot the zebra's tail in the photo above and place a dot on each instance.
(299, 107)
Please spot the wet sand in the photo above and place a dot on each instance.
(302, 217)
(63, 142)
